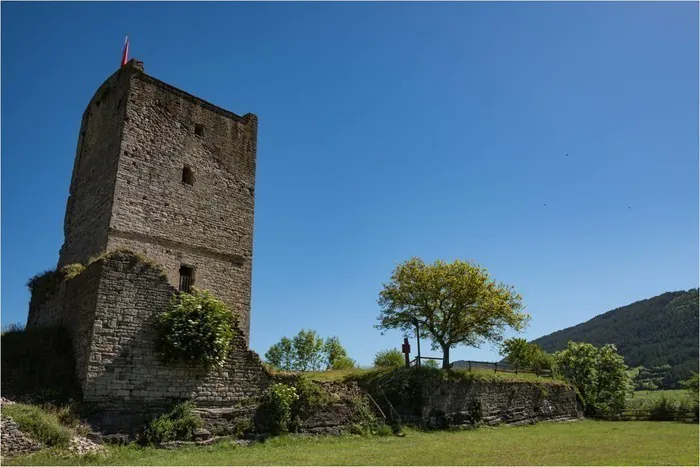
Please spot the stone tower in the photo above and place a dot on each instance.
(164, 173)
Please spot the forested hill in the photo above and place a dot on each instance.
(660, 334)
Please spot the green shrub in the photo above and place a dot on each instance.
(38, 362)
(195, 328)
(389, 358)
(365, 422)
(178, 424)
(663, 408)
(43, 426)
(276, 407)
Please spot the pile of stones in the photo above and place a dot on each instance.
(14, 442)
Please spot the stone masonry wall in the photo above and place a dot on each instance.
(91, 190)
(441, 404)
(71, 307)
(109, 310)
(124, 370)
(207, 225)
(137, 136)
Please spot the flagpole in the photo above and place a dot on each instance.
(125, 53)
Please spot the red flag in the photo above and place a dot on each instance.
(125, 54)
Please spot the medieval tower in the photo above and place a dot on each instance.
(161, 172)
(161, 199)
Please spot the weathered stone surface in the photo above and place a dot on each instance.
(14, 441)
(465, 403)
(119, 369)
(137, 136)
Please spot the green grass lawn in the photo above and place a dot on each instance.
(577, 443)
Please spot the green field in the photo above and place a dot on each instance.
(577, 443)
(668, 393)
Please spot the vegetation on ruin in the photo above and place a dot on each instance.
(125, 251)
(659, 334)
(277, 405)
(195, 328)
(179, 424)
(45, 285)
(307, 351)
(480, 374)
(453, 303)
(579, 443)
(43, 426)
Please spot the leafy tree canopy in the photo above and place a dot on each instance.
(525, 355)
(454, 304)
(389, 358)
(599, 374)
(307, 351)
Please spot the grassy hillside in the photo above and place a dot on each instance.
(660, 334)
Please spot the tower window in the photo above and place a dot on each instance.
(198, 129)
(186, 278)
(187, 175)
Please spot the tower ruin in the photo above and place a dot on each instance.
(167, 174)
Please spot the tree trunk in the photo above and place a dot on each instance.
(445, 357)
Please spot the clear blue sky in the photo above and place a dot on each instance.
(389, 131)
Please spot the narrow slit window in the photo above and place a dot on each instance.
(186, 279)
(199, 129)
(187, 175)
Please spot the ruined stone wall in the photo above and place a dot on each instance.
(509, 402)
(124, 369)
(108, 310)
(137, 136)
(429, 400)
(207, 225)
(72, 307)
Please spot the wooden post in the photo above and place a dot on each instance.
(406, 349)
(495, 367)
(470, 365)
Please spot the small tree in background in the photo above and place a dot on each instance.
(390, 358)
(336, 355)
(281, 355)
(599, 374)
(453, 303)
(692, 385)
(519, 352)
(307, 351)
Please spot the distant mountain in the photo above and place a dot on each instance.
(659, 333)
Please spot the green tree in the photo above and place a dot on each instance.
(599, 374)
(336, 355)
(307, 351)
(692, 384)
(453, 303)
(281, 355)
(525, 355)
(390, 358)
